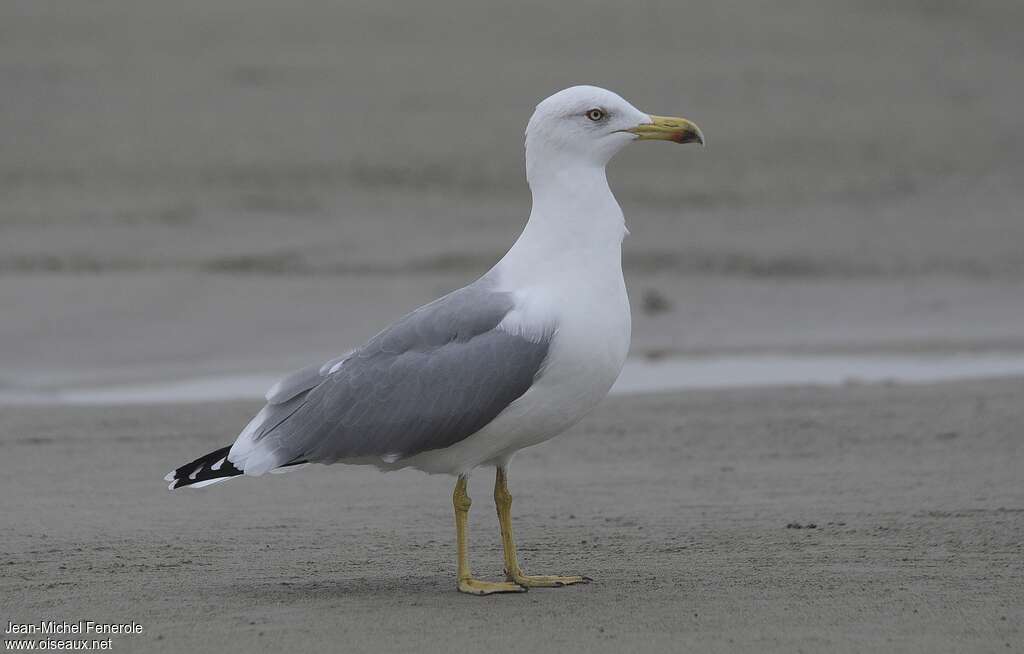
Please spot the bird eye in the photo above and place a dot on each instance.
(595, 114)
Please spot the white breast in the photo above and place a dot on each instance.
(589, 321)
(565, 271)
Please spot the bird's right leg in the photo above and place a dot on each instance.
(503, 502)
(461, 501)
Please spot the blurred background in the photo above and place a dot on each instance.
(216, 186)
(197, 196)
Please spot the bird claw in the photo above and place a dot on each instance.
(548, 581)
(478, 587)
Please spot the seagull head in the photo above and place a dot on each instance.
(590, 124)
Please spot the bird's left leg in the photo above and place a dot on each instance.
(467, 584)
(503, 502)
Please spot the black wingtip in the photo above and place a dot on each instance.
(206, 468)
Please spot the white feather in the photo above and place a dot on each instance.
(208, 482)
(334, 365)
(566, 274)
(246, 454)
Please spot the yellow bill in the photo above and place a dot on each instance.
(667, 128)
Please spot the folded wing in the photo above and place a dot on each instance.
(428, 381)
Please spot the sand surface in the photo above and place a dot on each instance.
(677, 505)
(213, 187)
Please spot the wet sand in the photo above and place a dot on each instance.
(684, 508)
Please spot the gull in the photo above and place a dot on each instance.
(509, 361)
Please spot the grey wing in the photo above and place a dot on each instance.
(301, 381)
(428, 381)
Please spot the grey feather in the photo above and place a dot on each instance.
(428, 381)
(301, 381)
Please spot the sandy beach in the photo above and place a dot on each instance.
(216, 187)
(683, 508)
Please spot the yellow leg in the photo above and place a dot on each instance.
(503, 502)
(467, 584)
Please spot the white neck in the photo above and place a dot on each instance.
(575, 224)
